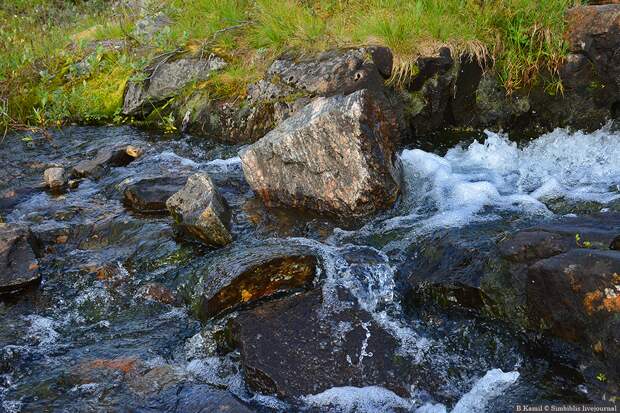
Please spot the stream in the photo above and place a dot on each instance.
(157, 356)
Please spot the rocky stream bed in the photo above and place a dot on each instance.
(492, 279)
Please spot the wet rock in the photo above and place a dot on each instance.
(557, 277)
(201, 211)
(151, 194)
(55, 178)
(105, 158)
(165, 80)
(336, 155)
(18, 264)
(576, 296)
(293, 347)
(157, 292)
(193, 398)
(247, 274)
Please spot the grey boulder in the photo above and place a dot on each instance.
(336, 155)
(201, 211)
(165, 80)
(18, 264)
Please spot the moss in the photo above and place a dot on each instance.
(523, 37)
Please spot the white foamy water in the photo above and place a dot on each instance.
(498, 174)
(372, 399)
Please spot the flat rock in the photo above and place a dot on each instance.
(201, 211)
(18, 264)
(293, 347)
(244, 275)
(335, 155)
(151, 194)
(105, 158)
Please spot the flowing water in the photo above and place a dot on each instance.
(54, 337)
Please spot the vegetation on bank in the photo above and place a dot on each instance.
(54, 68)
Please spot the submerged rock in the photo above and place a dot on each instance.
(165, 80)
(105, 158)
(247, 274)
(18, 264)
(55, 178)
(295, 346)
(201, 211)
(336, 155)
(151, 194)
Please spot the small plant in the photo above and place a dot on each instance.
(584, 244)
(167, 123)
(601, 377)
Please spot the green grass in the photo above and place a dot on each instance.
(523, 38)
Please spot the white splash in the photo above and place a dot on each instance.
(499, 174)
(42, 330)
(358, 399)
(492, 385)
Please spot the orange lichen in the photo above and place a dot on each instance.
(590, 301)
(612, 304)
(246, 296)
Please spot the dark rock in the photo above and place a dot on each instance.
(151, 194)
(615, 244)
(559, 277)
(105, 158)
(336, 155)
(294, 347)
(576, 296)
(157, 292)
(18, 264)
(165, 80)
(192, 398)
(594, 31)
(526, 246)
(201, 211)
(247, 274)
(55, 178)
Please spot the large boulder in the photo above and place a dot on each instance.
(559, 277)
(151, 194)
(166, 79)
(296, 346)
(245, 274)
(335, 155)
(18, 264)
(201, 211)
